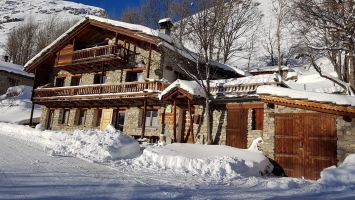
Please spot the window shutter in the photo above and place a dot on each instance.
(259, 118)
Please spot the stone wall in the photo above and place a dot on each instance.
(10, 79)
(346, 137)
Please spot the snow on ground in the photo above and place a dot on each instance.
(28, 172)
(15, 105)
(344, 174)
(95, 145)
(207, 160)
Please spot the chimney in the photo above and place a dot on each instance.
(165, 26)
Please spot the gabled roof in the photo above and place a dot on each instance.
(132, 30)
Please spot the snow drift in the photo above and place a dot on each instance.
(15, 105)
(94, 145)
(342, 175)
(217, 161)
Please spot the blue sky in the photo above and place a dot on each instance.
(113, 7)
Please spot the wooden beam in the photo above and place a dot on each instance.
(191, 121)
(149, 60)
(143, 119)
(174, 121)
(315, 106)
(244, 106)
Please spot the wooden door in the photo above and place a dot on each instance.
(180, 137)
(106, 118)
(237, 128)
(288, 144)
(320, 144)
(305, 144)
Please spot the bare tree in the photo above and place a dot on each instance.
(281, 10)
(26, 40)
(328, 29)
(238, 18)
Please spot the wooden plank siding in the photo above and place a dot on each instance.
(303, 145)
(237, 128)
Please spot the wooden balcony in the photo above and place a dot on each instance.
(91, 59)
(74, 95)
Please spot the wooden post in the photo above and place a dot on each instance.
(191, 122)
(143, 118)
(149, 60)
(33, 91)
(174, 121)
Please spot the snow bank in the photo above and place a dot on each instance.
(342, 175)
(94, 145)
(16, 105)
(216, 161)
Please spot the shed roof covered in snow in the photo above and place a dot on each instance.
(235, 87)
(136, 31)
(15, 69)
(329, 103)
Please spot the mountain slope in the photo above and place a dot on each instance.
(14, 12)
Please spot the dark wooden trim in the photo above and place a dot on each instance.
(174, 121)
(143, 118)
(149, 60)
(308, 105)
(244, 106)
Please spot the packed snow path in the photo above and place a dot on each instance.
(27, 172)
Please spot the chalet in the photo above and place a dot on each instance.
(103, 72)
(13, 75)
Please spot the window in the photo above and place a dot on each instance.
(75, 81)
(59, 82)
(99, 78)
(134, 76)
(98, 117)
(257, 118)
(81, 117)
(50, 117)
(64, 117)
(151, 118)
(119, 120)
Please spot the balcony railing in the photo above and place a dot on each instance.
(94, 53)
(134, 89)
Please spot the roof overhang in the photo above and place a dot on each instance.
(331, 108)
(70, 34)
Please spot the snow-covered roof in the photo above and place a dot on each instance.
(269, 69)
(184, 52)
(164, 20)
(12, 68)
(310, 96)
(134, 27)
(231, 87)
